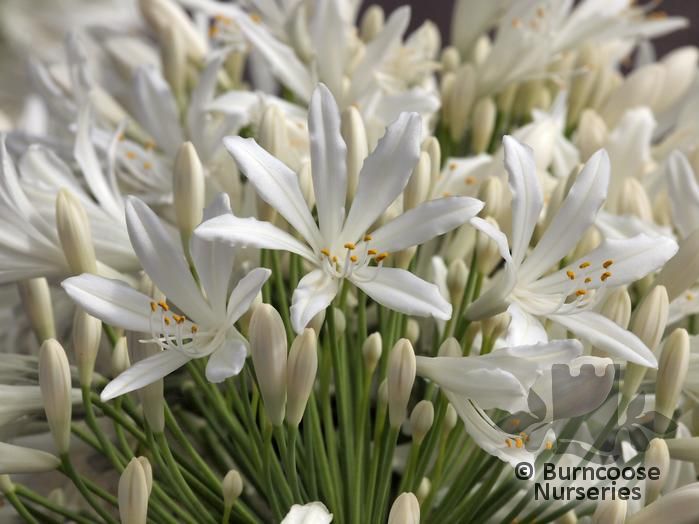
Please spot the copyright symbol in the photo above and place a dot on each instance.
(524, 471)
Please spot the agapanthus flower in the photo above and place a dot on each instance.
(345, 246)
(205, 324)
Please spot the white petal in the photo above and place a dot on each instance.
(330, 42)
(684, 193)
(527, 199)
(632, 259)
(328, 162)
(276, 184)
(313, 294)
(157, 109)
(245, 292)
(402, 291)
(311, 513)
(384, 174)
(227, 361)
(681, 271)
(145, 372)
(576, 214)
(250, 232)
(424, 222)
(524, 328)
(162, 258)
(607, 336)
(112, 301)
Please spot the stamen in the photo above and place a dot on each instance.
(335, 259)
(164, 306)
(350, 246)
(149, 144)
(166, 320)
(518, 442)
(194, 329)
(588, 280)
(147, 165)
(581, 292)
(584, 265)
(354, 258)
(508, 442)
(325, 252)
(371, 252)
(549, 444)
(607, 263)
(381, 257)
(130, 155)
(470, 180)
(153, 307)
(571, 275)
(605, 276)
(367, 238)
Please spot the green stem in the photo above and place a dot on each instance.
(70, 472)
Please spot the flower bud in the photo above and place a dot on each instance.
(74, 233)
(617, 307)
(316, 322)
(300, 374)
(640, 88)
(590, 240)
(686, 448)
(506, 98)
(148, 471)
(680, 70)
(493, 327)
(457, 275)
(451, 417)
(232, 487)
(450, 59)
(401, 376)
(57, 496)
(446, 87)
(656, 456)
(423, 490)
(412, 331)
(371, 351)
(672, 372)
(591, 134)
(120, 357)
(55, 383)
(133, 494)
(487, 252)
(648, 324)
(354, 134)
(676, 507)
(421, 420)
(492, 194)
(682, 270)
(18, 459)
(173, 56)
(268, 348)
(152, 396)
(583, 83)
(450, 348)
(418, 187)
(633, 200)
(483, 124)
(431, 146)
(6, 485)
(461, 98)
(372, 23)
(403, 257)
(340, 321)
(405, 510)
(305, 176)
(610, 511)
(87, 333)
(462, 244)
(164, 14)
(36, 300)
(188, 190)
(272, 134)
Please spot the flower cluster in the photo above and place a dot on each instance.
(448, 257)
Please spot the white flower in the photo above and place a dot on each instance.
(311, 513)
(341, 246)
(567, 295)
(212, 311)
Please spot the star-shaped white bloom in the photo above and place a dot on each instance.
(342, 246)
(205, 324)
(565, 296)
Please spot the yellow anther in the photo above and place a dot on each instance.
(213, 31)
(508, 442)
(350, 246)
(372, 252)
(381, 257)
(689, 296)
(549, 444)
(540, 12)
(453, 166)
(581, 292)
(179, 318)
(518, 442)
(130, 155)
(164, 305)
(121, 137)
(605, 276)
(335, 259)
(571, 275)
(167, 321)
(255, 18)
(353, 258)
(367, 238)
(588, 280)
(195, 329)
(446, 194)
(149, 144)
(516, 22)
(153, 306)
(607, 263)
(147, 165)
(470, 180)
(325, 252)
(584, 265)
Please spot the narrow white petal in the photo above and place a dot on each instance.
(157, 109)
(424, 222)
(328, 161)
(384, 174)
(527, 199)
(145, 372)
(402, 291)
(276, 184)
(330, 38)
(576, 214)
(313, 294)
(245, 292)
(607, 336)
(250, 232)
(162, 258)
(684, 193)
(524, 328)
(227, 361)
(112, 301)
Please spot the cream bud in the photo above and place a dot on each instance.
(55, 384)
(405, 510)
(87, 333)
(74, 233)
(133, 494)
(188, 190)
(301, 371)
(401, 377)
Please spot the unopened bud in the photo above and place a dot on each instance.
(6, 485)
(656, 456)
(405, 510)
(403, 257)
(56, 394)
(74, 233)
(610, 511)
(36, 300)
(450, 59)
(164, 14)
(487, 252)
(617, 307)
(316, 322)
(57, 496)
(450, 348)
(354, 134)
(305, 176)
(461, 100)
(483, 124)
(640, 88)
(268, 348)
(412, 331)
(686, 448)
(133, 494)
(493, 327)
(506, 98)
(120, 357)
(188, 190)
(152, 396)
(423, 490)
(591, 134)
(583, 82)
(401, 377)
(457, 275)
(87, 333)
(491, 193)
(633, 200)
(372, 23)
(590, 240)
(446, 86)
(450, 419)
(431, 146)
(174, 61)
(421, 420)
(680, 71)
(272, 134)
(418, 187)
(148, 471)
(300, 374)
(232, 487)
(371, 351)
(679, 506)
(672, 372)
(18, 459)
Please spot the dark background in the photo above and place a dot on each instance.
(439, 11)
